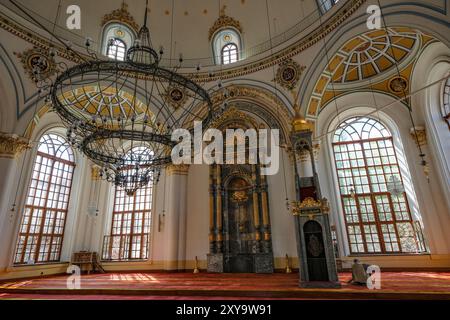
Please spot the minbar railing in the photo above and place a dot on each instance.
(125, 247)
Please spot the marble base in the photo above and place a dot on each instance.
(263, 263)
(215, 262)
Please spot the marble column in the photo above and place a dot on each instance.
(11, 148)
(175, 230)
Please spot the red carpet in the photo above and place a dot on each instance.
(183, 286)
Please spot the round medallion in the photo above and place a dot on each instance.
(398, 85)
(38, 62)
(288, 74)
(176, 95)
(119, 33)
(227, 38)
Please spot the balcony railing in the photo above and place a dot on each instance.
(125, 247)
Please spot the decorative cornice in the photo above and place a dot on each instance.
(310, 204)
(222, 22)
(121, 15)
(180, 169)
(11, 145)
(304, 43)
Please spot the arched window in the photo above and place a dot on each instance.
(227, 46)
(229, 53)
(116, 40)
(131, 221)
(446, 105)
(42, 228)
(326, 5)
(375, 205)
(116, 49)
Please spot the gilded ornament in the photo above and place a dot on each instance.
(419, 134)
(12, 145)
(398, 85)
(176, 96)
(222, 22)
(121, 15)
(37, 63)
(288, 74)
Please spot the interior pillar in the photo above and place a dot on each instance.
(175, 232)
(11, 146)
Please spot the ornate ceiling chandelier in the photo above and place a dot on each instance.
(112, 107)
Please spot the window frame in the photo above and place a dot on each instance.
(147, 192)
(45, 209)
(372, 195)
(114, 45)
(326, 5)
(230, 53)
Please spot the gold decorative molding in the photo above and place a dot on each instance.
(121, 15)
(421, 139)
(177, 169)
(11, 145)
(232, 113)
(308, 204)
(222, 22)
(239, 196)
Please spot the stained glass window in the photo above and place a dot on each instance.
(377, 219)
(43, 221)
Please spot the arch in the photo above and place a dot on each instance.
(41, 232)
(227, 46)
(369, 61)
(396, 119)
(266, 106)
(434, 66)
(116, 39)
(374, 200)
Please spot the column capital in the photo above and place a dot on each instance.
(95, 172)
(11, 145)
(181, 169)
